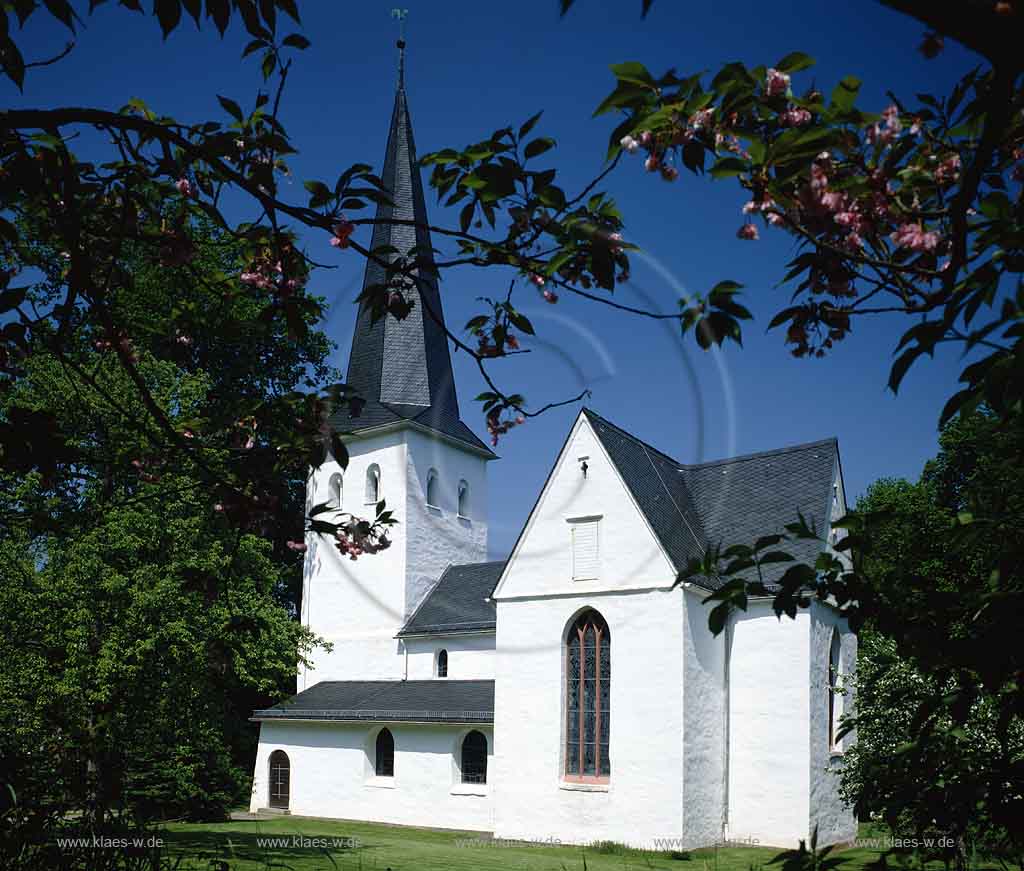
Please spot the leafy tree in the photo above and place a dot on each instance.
(963, 788)
(139, 623)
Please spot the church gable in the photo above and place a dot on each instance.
(586, 533)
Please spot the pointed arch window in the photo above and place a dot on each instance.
(384, 758)
(463, 499)
(432, 488)
(442, 663)
(835, 706)
(588, 672)
(280, 779)
(474, 758)
(373, 485)
(334, 486)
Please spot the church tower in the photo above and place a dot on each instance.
(408, 446)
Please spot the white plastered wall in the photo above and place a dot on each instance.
(332, 774)
(536, 600)
(835, 820)
(704, 725)
(359, 605)
(641, 801)
(769, 726)
(470, 657)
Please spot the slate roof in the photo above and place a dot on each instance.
(458, 602)
(731, 501)
(403, 368)
(742, 498)
(419, 701)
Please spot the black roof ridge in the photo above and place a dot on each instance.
(757, 455)
(672, 499)
(589, 412)
(738, 458)
(485, 562)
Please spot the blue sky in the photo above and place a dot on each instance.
(473, 67)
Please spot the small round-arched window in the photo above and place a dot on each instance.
(334, 491)
(463, 499)
(373, 485)
(474, 758)
(835, 702)
(442, 663)
(384, 756)
(432, 487)
(280, 779)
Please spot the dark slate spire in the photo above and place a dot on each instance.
(403, 368)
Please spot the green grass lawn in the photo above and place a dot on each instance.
(409, 849)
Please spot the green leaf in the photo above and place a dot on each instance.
(728, 166)
(466, 216)
(220, 12)
(794, 62)
(297, 40)
(13, 63)
(268, 64)
(168, 12)
(62, 11)
(633, 72)
(521, 322)
(232, 108)
(844, 95)
(529, 124)
(255, 45)
(901, 365)
(538, 146)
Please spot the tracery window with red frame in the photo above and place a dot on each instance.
(588, 672)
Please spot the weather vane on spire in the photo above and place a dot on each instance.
(400, 15)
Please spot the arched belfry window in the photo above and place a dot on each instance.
(835, 674)
(474, 758)
(432, 486)
(334, 490)
(280, 779)
(384, 757)
(373, 485)
(588, 672)
(442, 663)
(463, 499)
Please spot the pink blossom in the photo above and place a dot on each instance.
(914, 237)
(539, 280)
(749, 232)
(776, 83)
(551, 296)
(342, 231)
(652, 163)
(701, 119)
(819, 181)
(669, 172)
(775, 219)
(948, 171)
(629, 144)
(188, 434)
(795, 118)
(184, 187)
(646, 139)
(833, 201)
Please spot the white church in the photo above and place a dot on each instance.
(573, 692)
